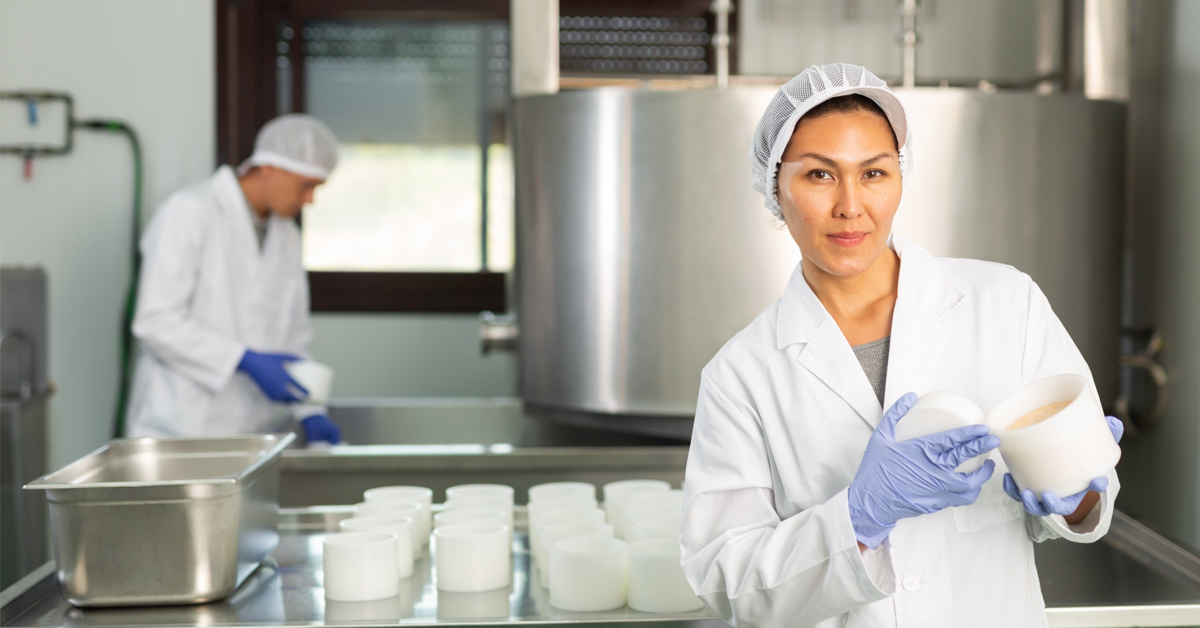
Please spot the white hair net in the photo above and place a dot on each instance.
(297, 143)
(797, 97)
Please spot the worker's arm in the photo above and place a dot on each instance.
(745, 562)
(172, 250)
(299, 323)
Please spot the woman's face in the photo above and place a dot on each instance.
(839, 187)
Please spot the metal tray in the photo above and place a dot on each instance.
(154, 521)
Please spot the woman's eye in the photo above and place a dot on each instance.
(820, 175)
(875, 174)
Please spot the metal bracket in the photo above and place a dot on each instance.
(32, 99)
(1147, 360)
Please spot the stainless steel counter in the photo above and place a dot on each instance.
(1132, 578)
(287, 591)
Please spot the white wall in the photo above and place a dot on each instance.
(148, 62)
(413, 355)
(1161, 469)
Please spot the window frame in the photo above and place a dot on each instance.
(247, 99)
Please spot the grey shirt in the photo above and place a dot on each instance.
(873, 357)
(260, 227)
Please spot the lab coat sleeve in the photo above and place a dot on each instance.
(1049, 351)
(748, 565)
(299, 335)
(172, 250)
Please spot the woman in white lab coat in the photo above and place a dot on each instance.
(223, 297)
(802, 510)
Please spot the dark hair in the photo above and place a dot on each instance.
(850, 103)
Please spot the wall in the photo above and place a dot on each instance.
(417, 355)
(1161, 470)
(150, 63)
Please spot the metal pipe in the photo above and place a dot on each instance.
(908, 41)
(721, 9)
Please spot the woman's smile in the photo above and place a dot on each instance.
(847, 239)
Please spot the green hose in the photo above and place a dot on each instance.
(135, 266)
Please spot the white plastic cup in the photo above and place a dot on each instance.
(588, 574)
(419, 494)
(557, 491)
(639, 512)
(673, 497)
(395, 509)
(470, 515)
(655, 528)
(1063, 453)
(556, 532)
(562, 515)
(482, 503)
(616, 493)
(546, 505)
(361, 566)
(315, 377)
(402, 527)
(474, 515)
(480, 491)
(472, 557)
(940, 411)
(656, 580)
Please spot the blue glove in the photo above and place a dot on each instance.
(1051, 504)
(266, 369)
(320, 427)
(899, 479)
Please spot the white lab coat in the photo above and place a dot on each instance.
(783, 418)
(206, 294)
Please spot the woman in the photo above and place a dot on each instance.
(802, 508)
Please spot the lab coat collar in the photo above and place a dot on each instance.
(235, 208)
(919, 333)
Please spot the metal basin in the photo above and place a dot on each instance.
(164, 521)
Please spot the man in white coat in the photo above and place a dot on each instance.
(223, 297)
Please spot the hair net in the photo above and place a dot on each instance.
(798, 96)
(298, 143)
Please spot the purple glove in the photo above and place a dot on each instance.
(266, 369)
(1051, 504)
(319, 427)
(899, 479)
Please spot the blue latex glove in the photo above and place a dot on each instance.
(899, 479)
(320, 427)
(1051, 504)
(266, 369)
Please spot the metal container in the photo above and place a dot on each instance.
(153, 521)
(642, 247)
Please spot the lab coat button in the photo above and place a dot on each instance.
(911, 583)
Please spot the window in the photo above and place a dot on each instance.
(423, 178)
(419, 214)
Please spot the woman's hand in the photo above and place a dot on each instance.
(1074, 507)
(899, 479)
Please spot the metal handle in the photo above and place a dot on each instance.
(497, 332)
(27, 357)
(1146, 360)
(720, 41)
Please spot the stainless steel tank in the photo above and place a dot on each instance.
(641, 247)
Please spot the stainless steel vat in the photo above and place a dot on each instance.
(642, 247)
(164, 521)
